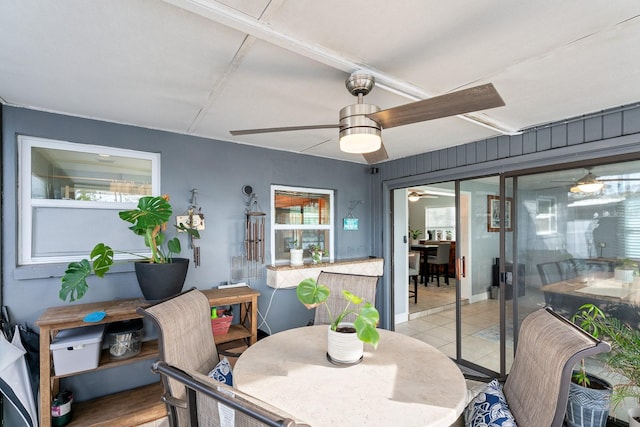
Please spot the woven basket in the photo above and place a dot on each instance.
(220, 325)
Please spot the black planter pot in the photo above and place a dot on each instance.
(160, 281)
(589, 406)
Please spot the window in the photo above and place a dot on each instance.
(546, 215)
(300, 218)
(70, 195)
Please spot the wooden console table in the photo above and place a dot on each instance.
(142, 404)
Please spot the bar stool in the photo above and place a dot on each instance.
(439, 263)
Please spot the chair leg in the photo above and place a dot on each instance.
(415, 289)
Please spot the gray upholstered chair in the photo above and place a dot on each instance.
(537, 387)
(185, 340)
(439, 263)
(362, 286)
(414, 272)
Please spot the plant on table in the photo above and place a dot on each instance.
(624, 357)
(312, 294)
(415, 233)
(149, 221)
(316, 253)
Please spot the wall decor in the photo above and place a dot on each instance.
(493, 213)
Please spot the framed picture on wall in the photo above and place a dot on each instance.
(493, 213)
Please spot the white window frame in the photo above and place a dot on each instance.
(551, 217)
(26, 203)
(302, 227)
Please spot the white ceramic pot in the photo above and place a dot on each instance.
(634, 412)
(296, 257)
(344, 347)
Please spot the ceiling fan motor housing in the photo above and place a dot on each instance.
(354, 121)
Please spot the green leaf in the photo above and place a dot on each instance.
(174, 245)
(102, 256)
(353, 299)
(151, 212)
(310, 292)
(74, 281)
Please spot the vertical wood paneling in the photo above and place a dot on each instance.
(575, 133)
(559, 136)
(515, 145)
(492, 149)
(543, 139)
(593, 129)
(461, 156)
(612, 125)
(481, 151)
(529, 143)
(502, 145)
(471, 153)
(631, 121)
(451, 157)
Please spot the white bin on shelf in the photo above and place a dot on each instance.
(77, 349)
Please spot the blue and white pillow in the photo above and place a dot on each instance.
(489, 408)
(222, 372)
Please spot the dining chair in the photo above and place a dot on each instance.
(214, 404)
(537, 387)
(185, 340)
(549, 272)
(439, 263)
(360, 285)
(414, 272)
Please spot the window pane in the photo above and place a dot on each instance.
(294, 207)
(72, 175)
(304, 240)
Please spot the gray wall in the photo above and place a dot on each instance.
(218, 170)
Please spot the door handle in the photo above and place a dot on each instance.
(461, 268)
(404, 238)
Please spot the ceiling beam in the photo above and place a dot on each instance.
(236, 20)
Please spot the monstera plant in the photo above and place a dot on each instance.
(149, 221)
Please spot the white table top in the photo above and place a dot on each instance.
(404, 382)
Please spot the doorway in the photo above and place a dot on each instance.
(462, 319)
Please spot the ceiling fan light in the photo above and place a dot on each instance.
(414, 197)
(590, 187)
(360, 140)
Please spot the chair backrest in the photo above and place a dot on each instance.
(567, 268)
(185, 340)
(549, 272)
(442, 254)
(414, 263)
(213, 404)
(362, 286)
(537, 386)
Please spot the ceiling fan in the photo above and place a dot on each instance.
(360, 124)
(590, 183)
(414, 196)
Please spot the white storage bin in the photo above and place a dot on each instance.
(77, 349)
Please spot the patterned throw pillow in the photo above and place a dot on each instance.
(489, 408)
(222, 372)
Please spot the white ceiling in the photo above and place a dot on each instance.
(203, 67)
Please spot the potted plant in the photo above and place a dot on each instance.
(625, 270)
(623, 359)
(295, 253)
(316, 253)
(415, 235)
(149, 221)
(345, 340)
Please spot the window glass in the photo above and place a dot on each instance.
(302, 219)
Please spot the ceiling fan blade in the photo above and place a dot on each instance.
(450, 104)
(376, 156)
(281, 129)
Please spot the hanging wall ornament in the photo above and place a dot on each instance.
(254, 232)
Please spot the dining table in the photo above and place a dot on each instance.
(402, 382)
